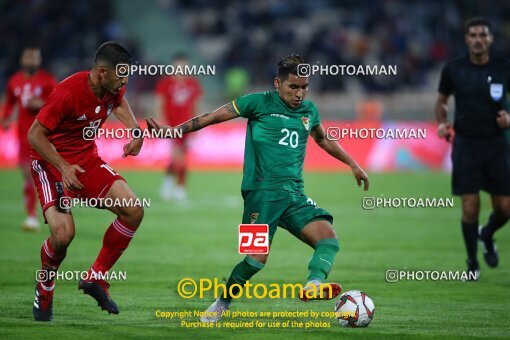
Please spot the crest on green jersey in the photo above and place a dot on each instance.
(253, 217)
(306, 122)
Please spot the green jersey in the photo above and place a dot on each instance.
(276, 139)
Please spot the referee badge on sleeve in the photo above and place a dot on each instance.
(496, 91)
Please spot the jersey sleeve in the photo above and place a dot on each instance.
(446, 83)
(246, 106)
(55, 109)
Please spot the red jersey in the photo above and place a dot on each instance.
(180, 97)
(71, 107)
(22, 88)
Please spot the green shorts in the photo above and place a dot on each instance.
(291, 211)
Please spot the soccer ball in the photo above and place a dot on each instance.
(354, 309)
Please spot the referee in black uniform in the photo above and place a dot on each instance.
(481, 153)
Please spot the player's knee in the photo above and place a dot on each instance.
(330, 233)
(62, 236)
(317, 231)
(502, 210)
(470, 215)
(261, 258)
(470, 212)
(133, 216)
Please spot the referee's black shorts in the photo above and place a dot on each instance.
(480, 164)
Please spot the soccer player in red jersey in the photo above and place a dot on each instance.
(27, 90)
(66, 164)
(176, 100)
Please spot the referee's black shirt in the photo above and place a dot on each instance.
(479, 92)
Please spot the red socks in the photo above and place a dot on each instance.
(115, 241)
(50, 262)
(179, 170)
(181, 174)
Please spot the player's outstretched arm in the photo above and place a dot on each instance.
(444, 130)
(124, 113)
(38, 138)
(222, 114)
(334, 149)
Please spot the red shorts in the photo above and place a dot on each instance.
(97, 180)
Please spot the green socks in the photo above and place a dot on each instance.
(241, 273)
(318, 268)
(322, 259)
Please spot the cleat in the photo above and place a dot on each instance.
(31, 224)
(43, 303)
(180, 193)
(215, 311)
(490, 252)
(473, 271)
(316, 290)
(99, 291)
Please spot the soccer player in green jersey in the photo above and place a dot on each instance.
(279, 123)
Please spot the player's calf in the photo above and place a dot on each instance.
(61, 238)
(53, 252)
(116, 239)
(241, 273)
(61, 229)
(131, 215)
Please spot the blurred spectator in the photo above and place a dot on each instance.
(237, 80)
(417, 36)
(65, 31)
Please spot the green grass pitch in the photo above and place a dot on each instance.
(198, 239)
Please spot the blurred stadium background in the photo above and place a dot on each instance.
(245, 39)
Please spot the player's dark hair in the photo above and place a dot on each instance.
(30, 47)
(289, 65)
(180, 56)
(477, 21)
(112, 53)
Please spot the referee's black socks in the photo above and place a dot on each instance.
(495, 222)
(470, 233)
